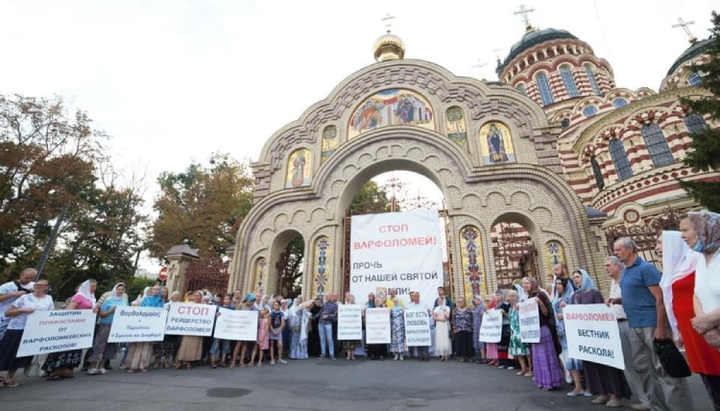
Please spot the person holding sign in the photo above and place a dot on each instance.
(191, 346)
(101, 350)
(562, 296)
(375, 351)
(478, 346)
(351, 345)
(140, 352)
(607, 382)
(299, 322)
(545, 361)
(491, 349)
(518, 349)
(441, 315)
(169, 345)
(18, 313)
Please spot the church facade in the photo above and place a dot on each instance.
(553, 154)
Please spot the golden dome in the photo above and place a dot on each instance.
(389, 47)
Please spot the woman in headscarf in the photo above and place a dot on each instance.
(61, 364)
(191, 346)
(299, 318)
(314, 330)
(608, 383)
(504, 344)
(102, 350)
(441, 315)
(242, 347)
(491, 349)
(563, 293)
(397, 326)
(478, 346)
(140, 352)
(518, 349)
(350, 345)
(18, 313)
(376, 351)
(169, 345)
(462, 320)
(707, 292)
(545, 363)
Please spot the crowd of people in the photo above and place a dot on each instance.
(681, 304)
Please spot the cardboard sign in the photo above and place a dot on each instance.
(190, 319)
(377, 326)
(55, 331)
(237, 325)
(349, 322)
(529, 317)
(593, 334)
(491, 329)
(138, 324)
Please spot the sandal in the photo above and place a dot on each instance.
(55, 377)
(10, 383)
(178, 366)
(213, 365)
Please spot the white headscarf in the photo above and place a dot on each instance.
(84, 290)
(678, 262)
(522, 295)
(114, 294)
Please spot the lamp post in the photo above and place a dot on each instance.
(51, 241)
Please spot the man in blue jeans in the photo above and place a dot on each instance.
(328, 315)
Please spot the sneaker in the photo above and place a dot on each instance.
(613, 404)
(599, 400)
(272, 362)
(588, 394)
(511, 368)
(640, 407)
(93, 371)
(283, 362)
(103, 371)
(575, 394)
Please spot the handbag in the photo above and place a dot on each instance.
(671, 359)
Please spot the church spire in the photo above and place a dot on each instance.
(388, 46)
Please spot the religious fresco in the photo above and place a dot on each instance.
(471, 256)
(321, 277)
(258, 284)
(456, 128)
(329, 142)
(554, 254)
(390, 108)
(496, 144)
(299, 169)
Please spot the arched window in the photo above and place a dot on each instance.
(599, 180)
(619, 102)
(695, 79)
(657, 145)
(620, 160)
(521, 87)
(589, 111)
(567, 78)
(695, 123)
(591, 79)
(544, 86)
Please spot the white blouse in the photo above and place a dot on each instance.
(707, 282)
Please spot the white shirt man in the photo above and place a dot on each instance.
(11, 291)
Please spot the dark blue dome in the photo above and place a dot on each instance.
(693, 51)
(531, 39)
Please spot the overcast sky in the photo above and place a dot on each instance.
(175, 80)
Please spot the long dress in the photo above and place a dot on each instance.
(443, 346)
(546, 364)
(140, 352)
(600, 378)
(298, 320)
(517, 347)
(313, 341)
(397, 324)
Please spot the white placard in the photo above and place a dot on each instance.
(190, 319)
(59, 330)
(239, 325)
(138, 324)
(349, 322)
(491, 329)
(529, 317)
(417, 328)
(377, 326)
(593, 334)
(396, 250)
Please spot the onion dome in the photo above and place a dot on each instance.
(531, 38)
(389, 47)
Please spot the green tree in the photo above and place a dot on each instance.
(371, 199)
(289, 268)
(203, 204)
(705, 152)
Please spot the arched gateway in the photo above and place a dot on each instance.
(488, 148)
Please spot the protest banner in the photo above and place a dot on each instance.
(593, 334)
(190, 319)
(137, 324)
(237, 325)
(529, 317)
(349, 322)
(400, 251)
(417, 328)
(59, 330)
(491, 329)
(377, 326)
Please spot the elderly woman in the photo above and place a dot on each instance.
(462, 322)
(60, 365)
(101, 349)
(376, 351)
(169, 345)
(397, 326)
(491, 349)
(350, 345)
(504, 344)
(441, 315)
(518, 349)
(18, 313)
(299, 322)
(562, 297)
(140, 352)
(191, 346)
(545, 362)
(478, 346)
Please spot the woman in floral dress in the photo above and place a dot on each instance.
(518, 349)
(478, 346)
(397, 324)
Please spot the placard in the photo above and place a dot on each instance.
(138, 324)
(593, 334)
(491, 329)
(55, 331)
(235, 325)
(377, 326)
(529, 321)
(190, 319)
(417, 328)
(349, 322)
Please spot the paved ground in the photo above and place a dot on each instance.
(303, 385)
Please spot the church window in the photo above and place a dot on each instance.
(591, 79)
(589, 111)
(521, 87)
(599, 180)
(565, 123)
(657, 145)
(569, 81)
(695, 123)
(619, 102)
(544, 86)
(695, 79)
(620, 160)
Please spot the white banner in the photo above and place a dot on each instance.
(138, 324)
(491, 329)
(237, 325)
(190, 319)
(593, 334)
(349, 322)
(59, 330)
(377, 326)
(529, 321)
(396, 250)
(417, 328)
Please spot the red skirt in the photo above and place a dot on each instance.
(702, 358)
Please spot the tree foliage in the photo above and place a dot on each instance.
(371, 199)
(289, 268)
(203, 204)
(705, 153)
